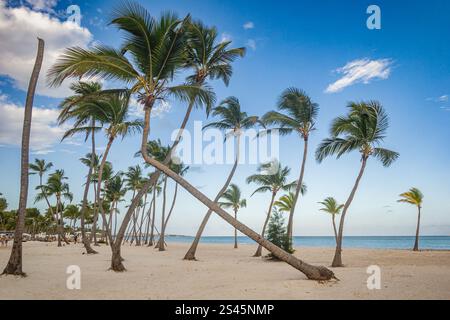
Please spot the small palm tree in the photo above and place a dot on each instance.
(331, 206)
(362, 130)
(232, 199)
(115, 192)
(285, 203)
(272, 183)
(40, 167)
(233, 120)
(299, 116)
(415, 197)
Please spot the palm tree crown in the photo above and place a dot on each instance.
(272, 182)
(40, 167)
(232, 198)
(285, 203)
(362, 129)
(299, 115)
(331, 206)
(414, 196)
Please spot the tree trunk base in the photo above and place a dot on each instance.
(337, 261)
(258, 252)
(14, 271)
(190, 256)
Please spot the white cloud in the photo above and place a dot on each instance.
(44, 130)
(225, 37)
(19, 28)
(251, 44)
(248, 25)
(443, 98)
(360, 71)
(42, 5)
(161, 108)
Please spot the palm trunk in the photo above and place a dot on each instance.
(86, 241)
(171, 209)
(416, 242)
(334, 227)
(269, 212)
(147, 228)
(163, 218)
(142, 219)
(297, 191)
(337, 260)
(14, 265)
(153, 179)
(150, 243)
(94, 223)
(235, 231)
(190, 254)
(99, 186)
(311, 272)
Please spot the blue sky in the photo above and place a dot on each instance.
(312, 46)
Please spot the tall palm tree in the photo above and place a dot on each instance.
(232, 199)
(56, 186)
(115, 191)
(113, 111)
(233, 121)
(331, 206)
(158, 48)
(415, 197)
(273, 183)
(14, 265)
(362, 129)
(299, 116)
(72, 109)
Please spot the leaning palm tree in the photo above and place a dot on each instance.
(415, 197)
(232, 120)
(362, 129)
(72, 109)
(272, 182)
(113, 111)
(331, 206)
(232, 199)
(299, 116)
(14, 265)
(158, 49)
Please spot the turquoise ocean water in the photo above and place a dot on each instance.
(374, 242)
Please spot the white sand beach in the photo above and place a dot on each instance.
(223, 273)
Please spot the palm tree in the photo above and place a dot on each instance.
(115, 191)
(56, 186)
(285, 202)
(331, 206)
(415, 197)
(300, 117)
(232, 199)
(14, 265)
(40, 167)
(233, 120)
(158, 48)
(273, 183)
(111, 110)
(362, 129)
(72, 212)
(71, 109)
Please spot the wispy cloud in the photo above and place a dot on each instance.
(442, 101)
(225, 37)
(248, 25)
(360, 71)
(251, 43)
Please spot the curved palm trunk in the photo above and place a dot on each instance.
(161, 242)
(116, 263)
(84, 238)
(14, 265)
(99, 187)
(334, 227)
(311, 272)
(190, 254)
(147, 228)
(416, 242)
(297, 191)
(269, 212)
(235, 231)
(150, 243)
(171, 209)
(337, 260)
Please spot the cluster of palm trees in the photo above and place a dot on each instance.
(148, 63)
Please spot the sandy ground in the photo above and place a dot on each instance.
(223, 273)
